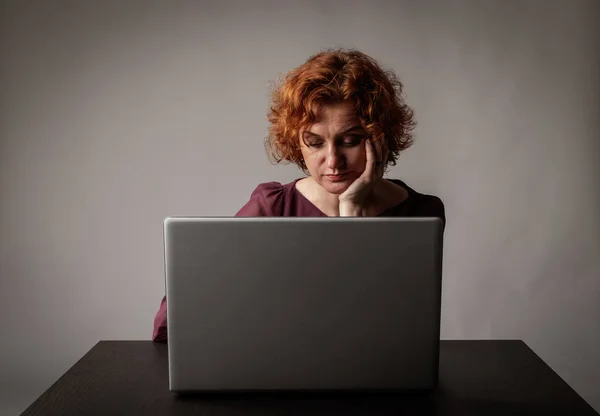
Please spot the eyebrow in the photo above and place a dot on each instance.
(310, 133)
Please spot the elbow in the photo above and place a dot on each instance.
(160, 335)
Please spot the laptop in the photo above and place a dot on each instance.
(303, 304)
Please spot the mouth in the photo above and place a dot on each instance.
(336, 178)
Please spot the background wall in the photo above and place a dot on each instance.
(115, 114)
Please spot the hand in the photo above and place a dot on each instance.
(356, 197)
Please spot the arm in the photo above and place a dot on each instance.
(160, 323)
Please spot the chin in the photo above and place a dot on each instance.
(335, 188)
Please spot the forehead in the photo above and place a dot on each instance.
(342, 115)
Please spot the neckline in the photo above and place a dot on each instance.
(392, 208)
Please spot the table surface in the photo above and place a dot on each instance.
(476, 378)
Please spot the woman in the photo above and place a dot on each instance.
(343, 121)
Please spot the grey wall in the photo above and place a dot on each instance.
(117, 114)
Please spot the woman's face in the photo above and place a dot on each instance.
(333, 147)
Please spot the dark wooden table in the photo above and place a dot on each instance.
(476, 378)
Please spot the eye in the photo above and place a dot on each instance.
(314, 144)
(353, 140)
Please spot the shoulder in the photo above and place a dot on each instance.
(422, 204)
(428, 203)
(432, 206)
(268, 189)
(266, 200)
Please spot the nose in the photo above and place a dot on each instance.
(335, 158)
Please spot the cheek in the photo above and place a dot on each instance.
(312, 160)
(356, 157)
(313, 156)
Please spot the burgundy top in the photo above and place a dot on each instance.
(272, 199)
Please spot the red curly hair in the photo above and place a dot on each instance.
(338, 76)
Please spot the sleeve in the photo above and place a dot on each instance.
(435, 208)
(265, 201)
(160, 323)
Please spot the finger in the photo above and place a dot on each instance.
(378, 145)
(370, 165)
(378, 151)
(381, 166)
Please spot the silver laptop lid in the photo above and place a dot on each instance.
(275, 303)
